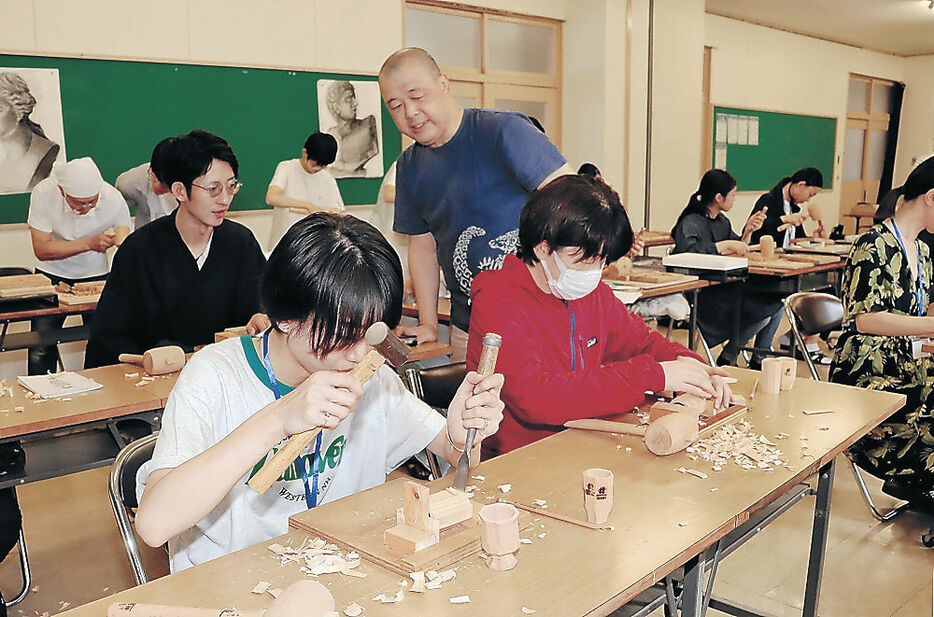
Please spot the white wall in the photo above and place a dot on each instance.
(916, 135)
(763, 68)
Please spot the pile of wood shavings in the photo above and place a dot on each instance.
(738, 443)
(316, 557)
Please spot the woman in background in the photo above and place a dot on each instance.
(26, 154)
(887, 310)
(703, 227)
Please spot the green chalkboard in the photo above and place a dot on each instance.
(786, 143)
(116, 111)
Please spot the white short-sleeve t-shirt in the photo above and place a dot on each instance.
(319, 188)
(382, 218)
(220, 388)
(136, 188)
(48, 212)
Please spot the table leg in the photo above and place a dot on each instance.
(692, 598)
(692, 321)
(818, 539)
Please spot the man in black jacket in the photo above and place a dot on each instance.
(185, 276)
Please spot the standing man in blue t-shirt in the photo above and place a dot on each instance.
(459, 187)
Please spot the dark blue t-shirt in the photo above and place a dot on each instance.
(468, 193)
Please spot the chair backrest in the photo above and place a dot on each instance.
(122, 489)
(13, 270)
(439, 384)
(816, 313)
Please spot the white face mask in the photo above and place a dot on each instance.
(572, 284)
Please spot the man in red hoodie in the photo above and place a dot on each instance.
(570, 348)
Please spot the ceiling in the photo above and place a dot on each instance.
(902, 27)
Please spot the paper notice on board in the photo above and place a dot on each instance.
(719, 157)
(742, 131)
(720, 133)
(732, 128)
(753, 130)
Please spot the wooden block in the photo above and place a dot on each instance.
(229, 333)
(415, 505)
(405, 539)
(771, 381)
(449, 507)
(24, 281)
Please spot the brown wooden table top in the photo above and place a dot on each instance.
(662, 518)
(676, 288)
(657, 238)
(444, 310)
(119, 397)
(809, 269)
(61, 309)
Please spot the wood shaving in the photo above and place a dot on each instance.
(505, 488)
(815, 412)
(693, 472)
(18, 409)
(528, 611)
(823, 428)
(261, 587)
(418, 581)
(274, 592)
(353, 573)
(130, 375)
(480, 478)
(384, 599)
(541, 503)
(737, 443)
(353, 610)
(714, 489)
(525, 541)
(448, 575)
(460, 600)
(542, 535)
(782, 436)
(683, 524)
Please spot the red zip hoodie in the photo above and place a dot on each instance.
(562, 361)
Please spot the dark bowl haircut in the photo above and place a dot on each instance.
(336, 275)
(920, 180)
(321, 148)
(575, 211)
(189, 156)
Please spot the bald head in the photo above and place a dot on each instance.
(410, 56)
(419, 97)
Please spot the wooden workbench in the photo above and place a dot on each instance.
(663, 519)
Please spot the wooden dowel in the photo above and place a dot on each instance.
(557, 517)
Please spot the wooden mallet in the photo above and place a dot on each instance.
(300, 599)
(386, 347)
(158, 360)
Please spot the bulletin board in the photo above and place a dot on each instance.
(115, 111)
(761, 147)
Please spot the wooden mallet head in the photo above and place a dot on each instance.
(303, 598)
(671, 433)
(158, 360)
(385, 341)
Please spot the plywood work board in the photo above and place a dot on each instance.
(25, 286)
(644, 278)
(357, 523)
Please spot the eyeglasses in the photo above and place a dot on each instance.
(217, 188)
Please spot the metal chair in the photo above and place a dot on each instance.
(812, 313)
(122, 489)
(24, 570)
(436, 386)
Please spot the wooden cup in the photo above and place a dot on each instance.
(499, 535)
(598, 494)
(789, 373)
(771, 381)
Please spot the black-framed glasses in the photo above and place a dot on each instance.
(215, 189)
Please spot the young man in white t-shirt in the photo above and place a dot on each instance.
(304, 185)
(74, 217)
(142, 188)
(330, 277)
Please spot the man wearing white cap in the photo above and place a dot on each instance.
(71, 214)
